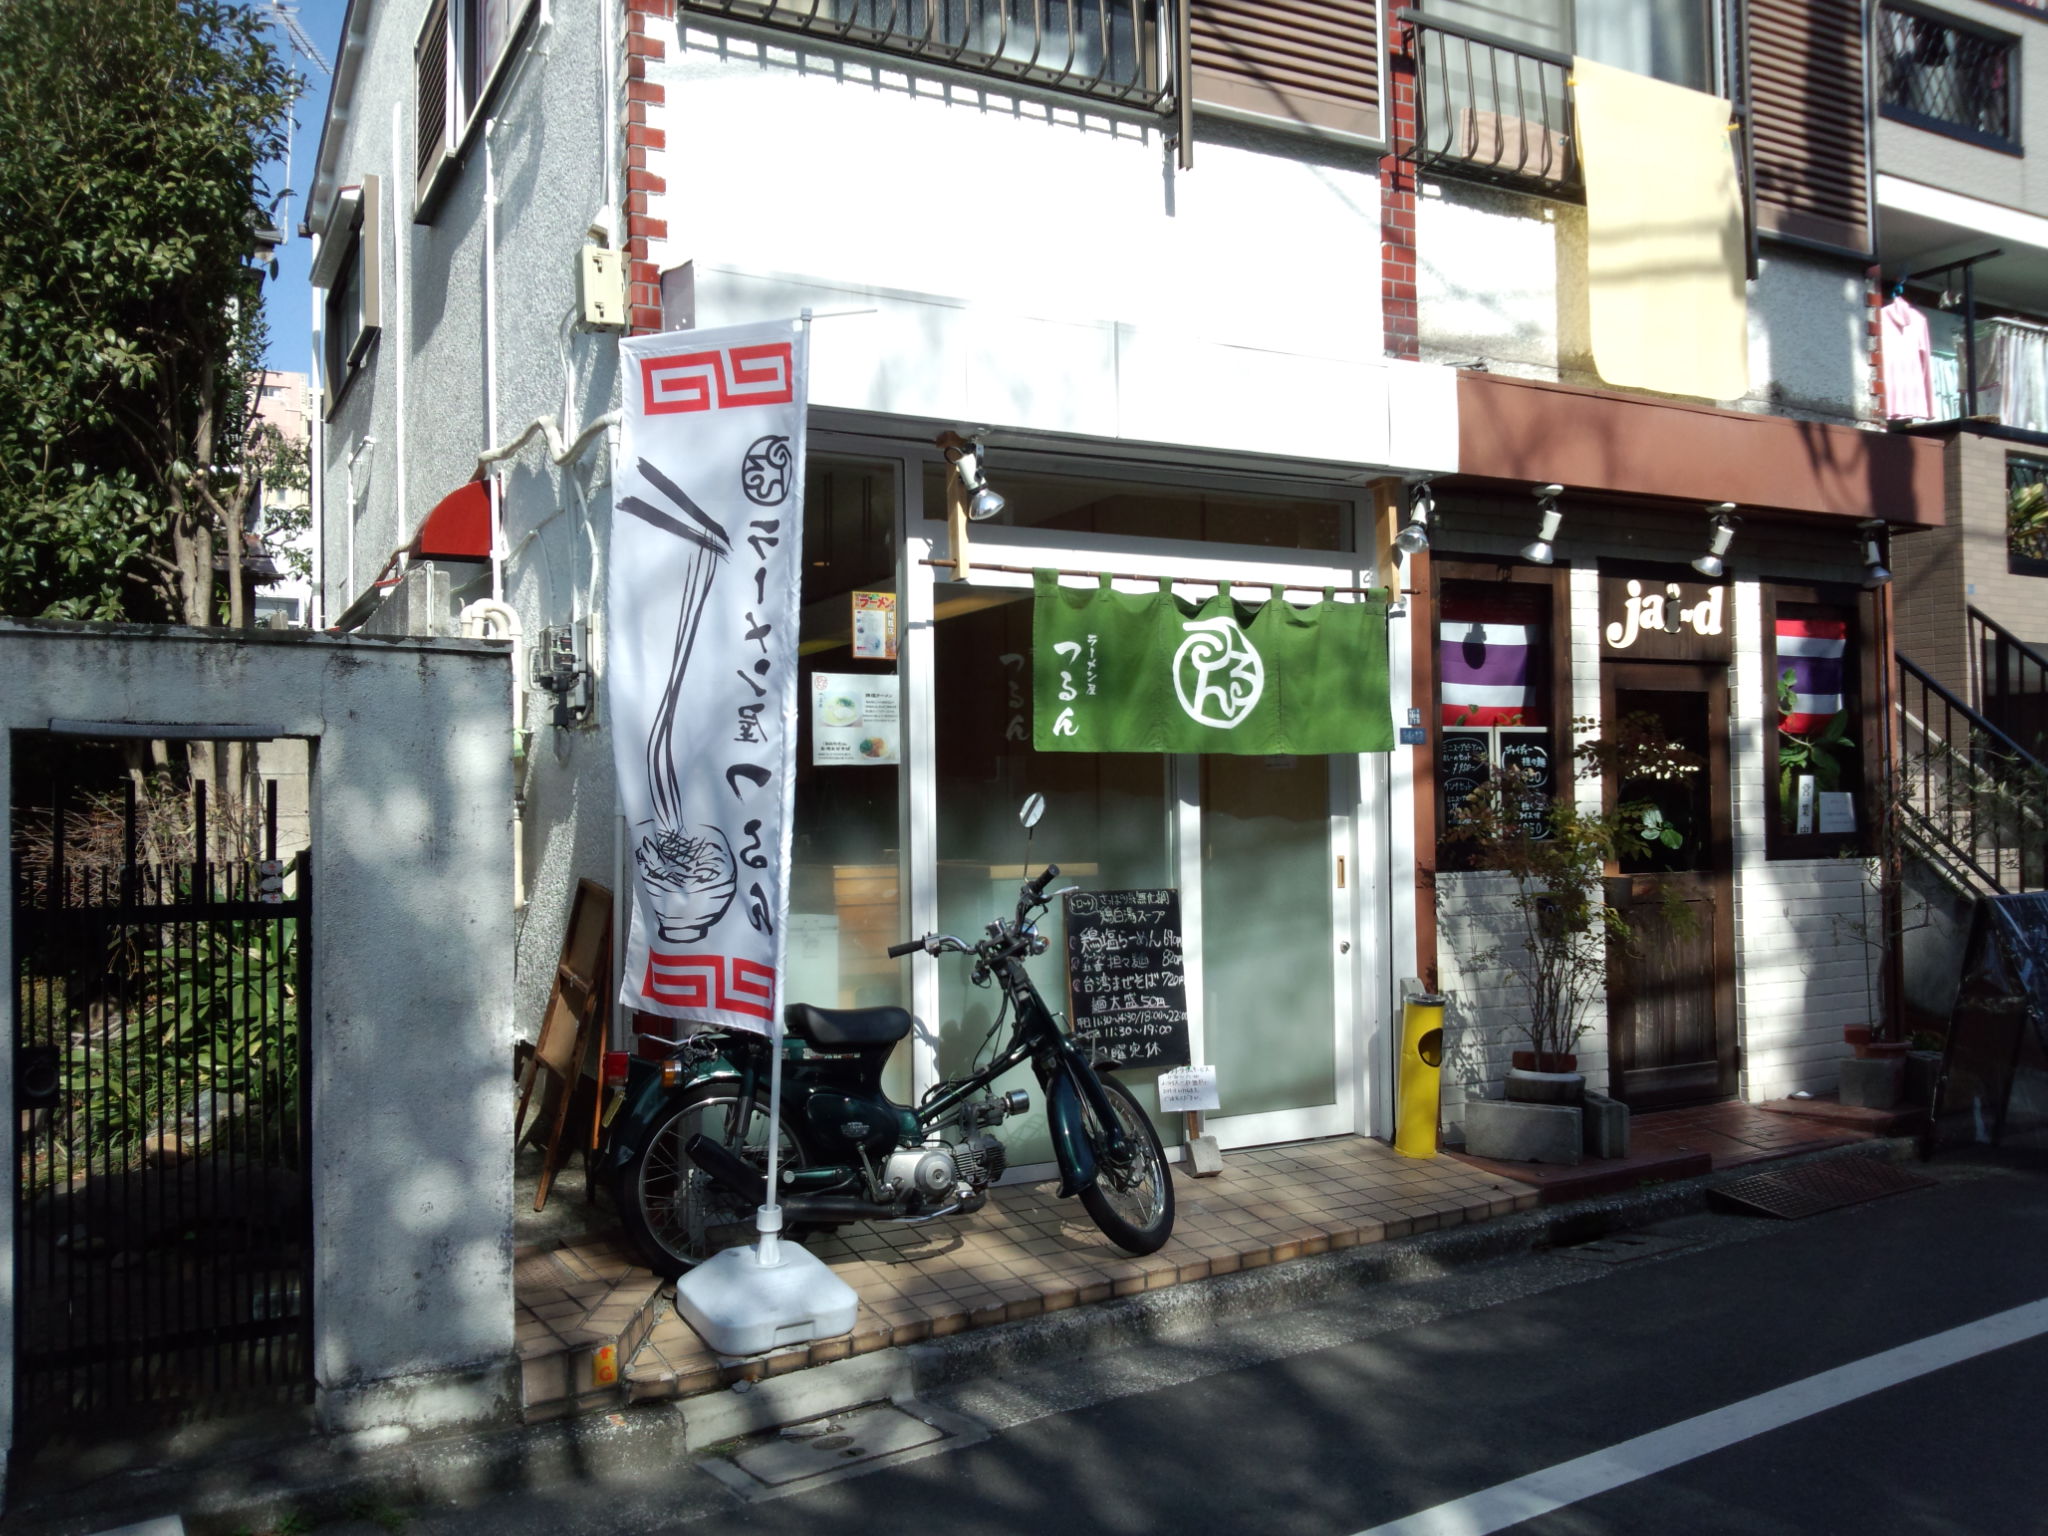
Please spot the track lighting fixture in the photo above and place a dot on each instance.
(1541, 551)
(965, 455)
(1723, 519)
(1414, 538)
(1871, 536)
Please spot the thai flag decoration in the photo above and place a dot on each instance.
(1813, 651)
(1486, 647)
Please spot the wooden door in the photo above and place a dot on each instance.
(1671, 989)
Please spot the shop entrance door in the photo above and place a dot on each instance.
(1671, 991)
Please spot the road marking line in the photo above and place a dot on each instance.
(1569, 1482)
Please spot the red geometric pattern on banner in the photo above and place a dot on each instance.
(700, 981)
(719, 379)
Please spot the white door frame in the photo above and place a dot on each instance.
(1358, 831)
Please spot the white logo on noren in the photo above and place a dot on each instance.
(1217, 675)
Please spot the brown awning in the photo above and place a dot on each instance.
(1595, 440)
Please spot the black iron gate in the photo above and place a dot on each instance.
(163, 1239)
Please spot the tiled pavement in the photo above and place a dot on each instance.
(594, 1329)
(1025, 1253)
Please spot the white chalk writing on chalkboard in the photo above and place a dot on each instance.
(1126, 975)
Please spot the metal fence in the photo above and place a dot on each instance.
(1110, 50)
(163, 1239)
(1974, 794)
(1492, 111)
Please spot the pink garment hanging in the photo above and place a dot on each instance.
(1908, 355)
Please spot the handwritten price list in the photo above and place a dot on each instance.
(1126, 977)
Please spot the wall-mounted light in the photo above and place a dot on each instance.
(1721, 514)
(1414, 538)
(1870, 534)
(1541, 551)
(966, 455)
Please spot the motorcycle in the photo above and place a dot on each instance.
(687, 1153)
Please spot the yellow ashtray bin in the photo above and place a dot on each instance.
(1421, 1073)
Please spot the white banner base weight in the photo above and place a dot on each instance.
(747, 1301)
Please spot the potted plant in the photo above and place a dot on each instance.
(1558, 853)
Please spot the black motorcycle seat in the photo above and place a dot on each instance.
(838, 1029)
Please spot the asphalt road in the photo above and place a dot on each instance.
(1375, 1408)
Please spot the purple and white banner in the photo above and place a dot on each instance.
(706, 576)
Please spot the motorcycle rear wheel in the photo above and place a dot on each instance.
(1132, 1203)
(676, 1216)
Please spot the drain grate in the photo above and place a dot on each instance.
(1625, 1248)
(1797, 1192)
(805, 1456)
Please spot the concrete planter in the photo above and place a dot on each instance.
(1523, 1133)
(1530, 1087)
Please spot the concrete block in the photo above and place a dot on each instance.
(1523, 1133)
(1606, 1126)
(1873, 1082)
(1202, 1158)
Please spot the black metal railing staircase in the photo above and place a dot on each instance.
(2009, 682)
(1970, 796)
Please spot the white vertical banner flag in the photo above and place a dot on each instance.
(705, 585)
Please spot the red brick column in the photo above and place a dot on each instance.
(1397, 206)
(645, 146)
(1873, 301)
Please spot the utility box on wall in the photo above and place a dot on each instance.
(601, 287)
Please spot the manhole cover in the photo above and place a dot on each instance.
(1817, 1187)
(1624, 1248)
(842, 1446)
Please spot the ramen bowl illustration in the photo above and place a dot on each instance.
(840, 709)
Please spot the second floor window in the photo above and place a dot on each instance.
(2026, 515)
(1666, 39)
(1936, 72)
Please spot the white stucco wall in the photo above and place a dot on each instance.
(1800, 960)
(1501, 278)
(410, 1020)
(1036, 267)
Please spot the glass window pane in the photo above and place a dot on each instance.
(1813, 674)
(846, 903)
(1665, 39)
(1105, 826)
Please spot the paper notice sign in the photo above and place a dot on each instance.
(874, 626)
(1837, 811)
(854, 718)
(1186, 1088)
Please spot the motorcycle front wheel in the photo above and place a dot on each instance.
(1131, 1201)
(676, 1216)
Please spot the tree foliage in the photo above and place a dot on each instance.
(132, 138)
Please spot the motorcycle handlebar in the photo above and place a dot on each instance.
(1037, 887)
(907, 947)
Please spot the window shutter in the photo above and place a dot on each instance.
(1313, 62)
(1810, 115)
(432, 107)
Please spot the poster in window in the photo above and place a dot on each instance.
(854, 719)
(1462, 766)
(874, 626)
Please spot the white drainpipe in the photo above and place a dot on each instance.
(488, 619)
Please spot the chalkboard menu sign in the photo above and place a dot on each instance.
(1529, 755)
(1461, 765)
(1125, 976)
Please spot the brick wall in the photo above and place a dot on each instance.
(1397, 207)
(646, 148)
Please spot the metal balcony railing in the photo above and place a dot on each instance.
(1108, 50)
(1488, 110)
(1938, 73)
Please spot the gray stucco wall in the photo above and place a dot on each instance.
(546, 163)
(1501, 278)
(410, 1021)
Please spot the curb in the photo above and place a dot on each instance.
(355, 1475)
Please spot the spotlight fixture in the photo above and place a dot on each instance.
(1709, 565)
(1414, 538)
(1872, 535)
(965, 455)
(1542, 551)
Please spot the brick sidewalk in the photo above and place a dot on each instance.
(594, 1329)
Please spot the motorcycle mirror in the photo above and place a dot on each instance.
(1032, 813)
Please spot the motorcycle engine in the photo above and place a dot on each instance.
(981, 1159)
(920, 1175)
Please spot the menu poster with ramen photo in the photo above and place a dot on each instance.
(854, 719)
